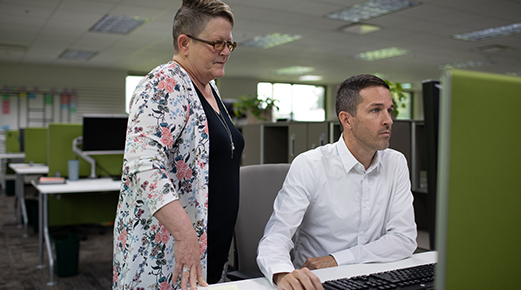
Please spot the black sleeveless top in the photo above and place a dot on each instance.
(223, 191)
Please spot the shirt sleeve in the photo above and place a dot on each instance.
(399, 238)
(273, 255)
(158, 114)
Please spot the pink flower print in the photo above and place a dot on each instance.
(183, 171)
(115, 275)
(123, 238)
(153, 186)
(162, 236)
(166, 137)
(165, 286)
(167, 84)
(203, 243)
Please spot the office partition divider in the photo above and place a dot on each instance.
(479, 205)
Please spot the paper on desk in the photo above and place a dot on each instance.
(224, 287)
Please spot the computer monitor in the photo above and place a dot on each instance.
(479, 200)
(104, 132)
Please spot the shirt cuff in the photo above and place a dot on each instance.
(282, 268)
(344, 257)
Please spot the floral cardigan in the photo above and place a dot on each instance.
(166, 159)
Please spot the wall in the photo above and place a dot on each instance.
(100, 91)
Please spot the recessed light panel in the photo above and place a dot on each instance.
(117, 24)
(310, 78)
(294, 70)
(371, 9)
(271, 40)
(73, 54)
(489, 33)
(361, 29)
(466, 64)
(381, 53)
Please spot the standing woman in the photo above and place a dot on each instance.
(180, 192)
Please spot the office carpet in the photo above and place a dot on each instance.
(19, 256)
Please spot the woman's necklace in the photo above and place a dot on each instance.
(219, 116)
(225, 125)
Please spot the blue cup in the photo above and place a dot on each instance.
(74, 169)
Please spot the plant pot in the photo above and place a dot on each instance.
(266, 116)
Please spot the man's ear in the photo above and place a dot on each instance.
(183, 42)
(345, 120)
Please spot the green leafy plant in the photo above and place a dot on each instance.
(254, 105)
(397, 94)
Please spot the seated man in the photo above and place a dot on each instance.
(348, 202)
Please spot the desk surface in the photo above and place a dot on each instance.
(26, 168)
(82, 185)
(19, 155)
(333, 273)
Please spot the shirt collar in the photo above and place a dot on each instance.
(350, 162)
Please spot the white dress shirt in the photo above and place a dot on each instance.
(336, 207)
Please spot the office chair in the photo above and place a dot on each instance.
(259, 185)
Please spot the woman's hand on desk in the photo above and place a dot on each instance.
(301, 279)
(187, 251)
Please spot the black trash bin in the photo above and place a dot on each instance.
(32, 213)
(67, 250)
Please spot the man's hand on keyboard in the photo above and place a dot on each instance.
(320, 262)
(297, 280)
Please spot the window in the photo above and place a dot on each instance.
(296, 102)
(405, 107)
(130, 85)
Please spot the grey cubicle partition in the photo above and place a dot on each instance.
(479, 187)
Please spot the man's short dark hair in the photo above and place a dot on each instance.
(348, 92)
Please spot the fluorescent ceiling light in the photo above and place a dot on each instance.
(381, 53)
(117, 24)
(73, 54)
(310, 78)
(360, 28)
(371, 9)
(490, 32)
(293, 70)
(271, 40)
(466, 64)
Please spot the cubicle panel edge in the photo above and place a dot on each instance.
(478, 181)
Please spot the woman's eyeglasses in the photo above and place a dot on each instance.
(218, 45)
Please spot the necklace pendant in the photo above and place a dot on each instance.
(233, 148)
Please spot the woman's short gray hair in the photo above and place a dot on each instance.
(193, 16)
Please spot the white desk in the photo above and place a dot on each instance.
(4, 159)
(22, 169)
(333, 273)
(80, 186)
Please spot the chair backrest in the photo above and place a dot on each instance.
(259, 186)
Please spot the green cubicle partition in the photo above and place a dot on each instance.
(479, 200)
(79, 208)
(35, 145)
(12, 141)
(60, 151)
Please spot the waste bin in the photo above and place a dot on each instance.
(67, 250)
(10, 187)
(31, 206)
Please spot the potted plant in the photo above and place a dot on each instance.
(255, 109)
(397, 95)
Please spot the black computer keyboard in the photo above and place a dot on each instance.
(417, 277)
